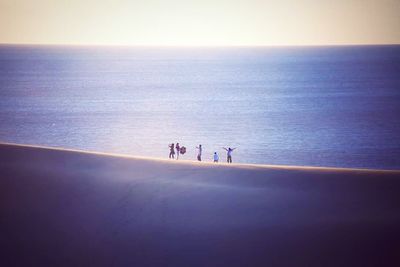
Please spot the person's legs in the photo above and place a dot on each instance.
(229, 159)
(177, 154)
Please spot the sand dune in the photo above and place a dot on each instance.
(69, 208)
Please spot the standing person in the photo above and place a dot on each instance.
(200, 149)
(216, 158)
(229, 154)
(171, 151)
(178, 150)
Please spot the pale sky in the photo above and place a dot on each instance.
(200, 22)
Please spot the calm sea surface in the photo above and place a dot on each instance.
(319, 106)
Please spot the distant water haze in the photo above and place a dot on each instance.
(318, 106)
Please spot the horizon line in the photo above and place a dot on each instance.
(197, 46)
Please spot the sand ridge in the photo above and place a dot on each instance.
(207, 163)
(61, 207)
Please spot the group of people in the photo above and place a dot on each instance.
(182, 150)
(179, 150)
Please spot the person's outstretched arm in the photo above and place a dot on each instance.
(225, 148)
(233, 148)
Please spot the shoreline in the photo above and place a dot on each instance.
(207, 163)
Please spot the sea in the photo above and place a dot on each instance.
(333, 106)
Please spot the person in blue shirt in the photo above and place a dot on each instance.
(216, 158)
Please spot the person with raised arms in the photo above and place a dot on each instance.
(229, 154)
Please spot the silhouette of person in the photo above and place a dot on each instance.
(171, 151)
(200, 150)
(178, 150)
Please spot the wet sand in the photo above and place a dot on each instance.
(71, 208)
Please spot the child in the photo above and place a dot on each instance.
(216, 158)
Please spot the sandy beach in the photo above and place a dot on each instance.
(70, 208)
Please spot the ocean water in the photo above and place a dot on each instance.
(317, 106)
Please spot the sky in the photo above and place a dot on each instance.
(200, 22)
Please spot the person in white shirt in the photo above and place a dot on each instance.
(216, 158)
(200, 149)
(229, 154)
